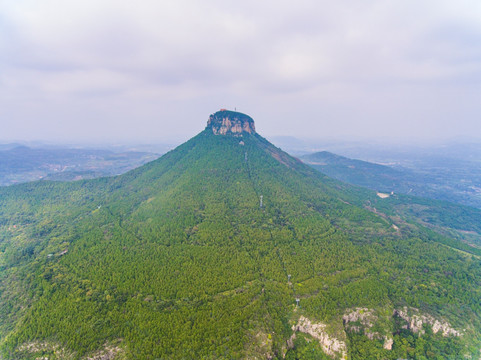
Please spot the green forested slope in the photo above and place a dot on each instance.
(177, 259)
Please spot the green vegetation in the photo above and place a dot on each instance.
(177, 259)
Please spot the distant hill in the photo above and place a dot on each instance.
(358, 172)
(229, 248)
(21, 164)
(435, 178)
(8, 146)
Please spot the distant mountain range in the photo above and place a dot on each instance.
(229, 248)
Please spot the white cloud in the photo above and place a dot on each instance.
(370, 62)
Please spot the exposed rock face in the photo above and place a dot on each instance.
(108, 352)
(388, 343)
(415, 322)
(362, 320)
(290, 341)
(363, 315)
(45, 347)
(225, 122)
(366, 318)
(330, 345)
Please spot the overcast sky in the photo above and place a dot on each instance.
(150, 70)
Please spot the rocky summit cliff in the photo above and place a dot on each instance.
(225, 122)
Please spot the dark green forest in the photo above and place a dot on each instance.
(178, 260)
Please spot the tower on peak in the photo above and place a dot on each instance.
(226, 122)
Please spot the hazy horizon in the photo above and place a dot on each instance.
(109, 72)
(179, 139)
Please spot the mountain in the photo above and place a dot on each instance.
(227, 247)
(441, 178)
(358, 172)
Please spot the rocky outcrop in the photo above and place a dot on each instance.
(107, 352)
(290, 341)
(44, 348)
(375, 324)
(416, 321)
(388, 343)
(365, 318)
(329, 344)
(225, 122)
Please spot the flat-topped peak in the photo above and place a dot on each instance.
(225, 122)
